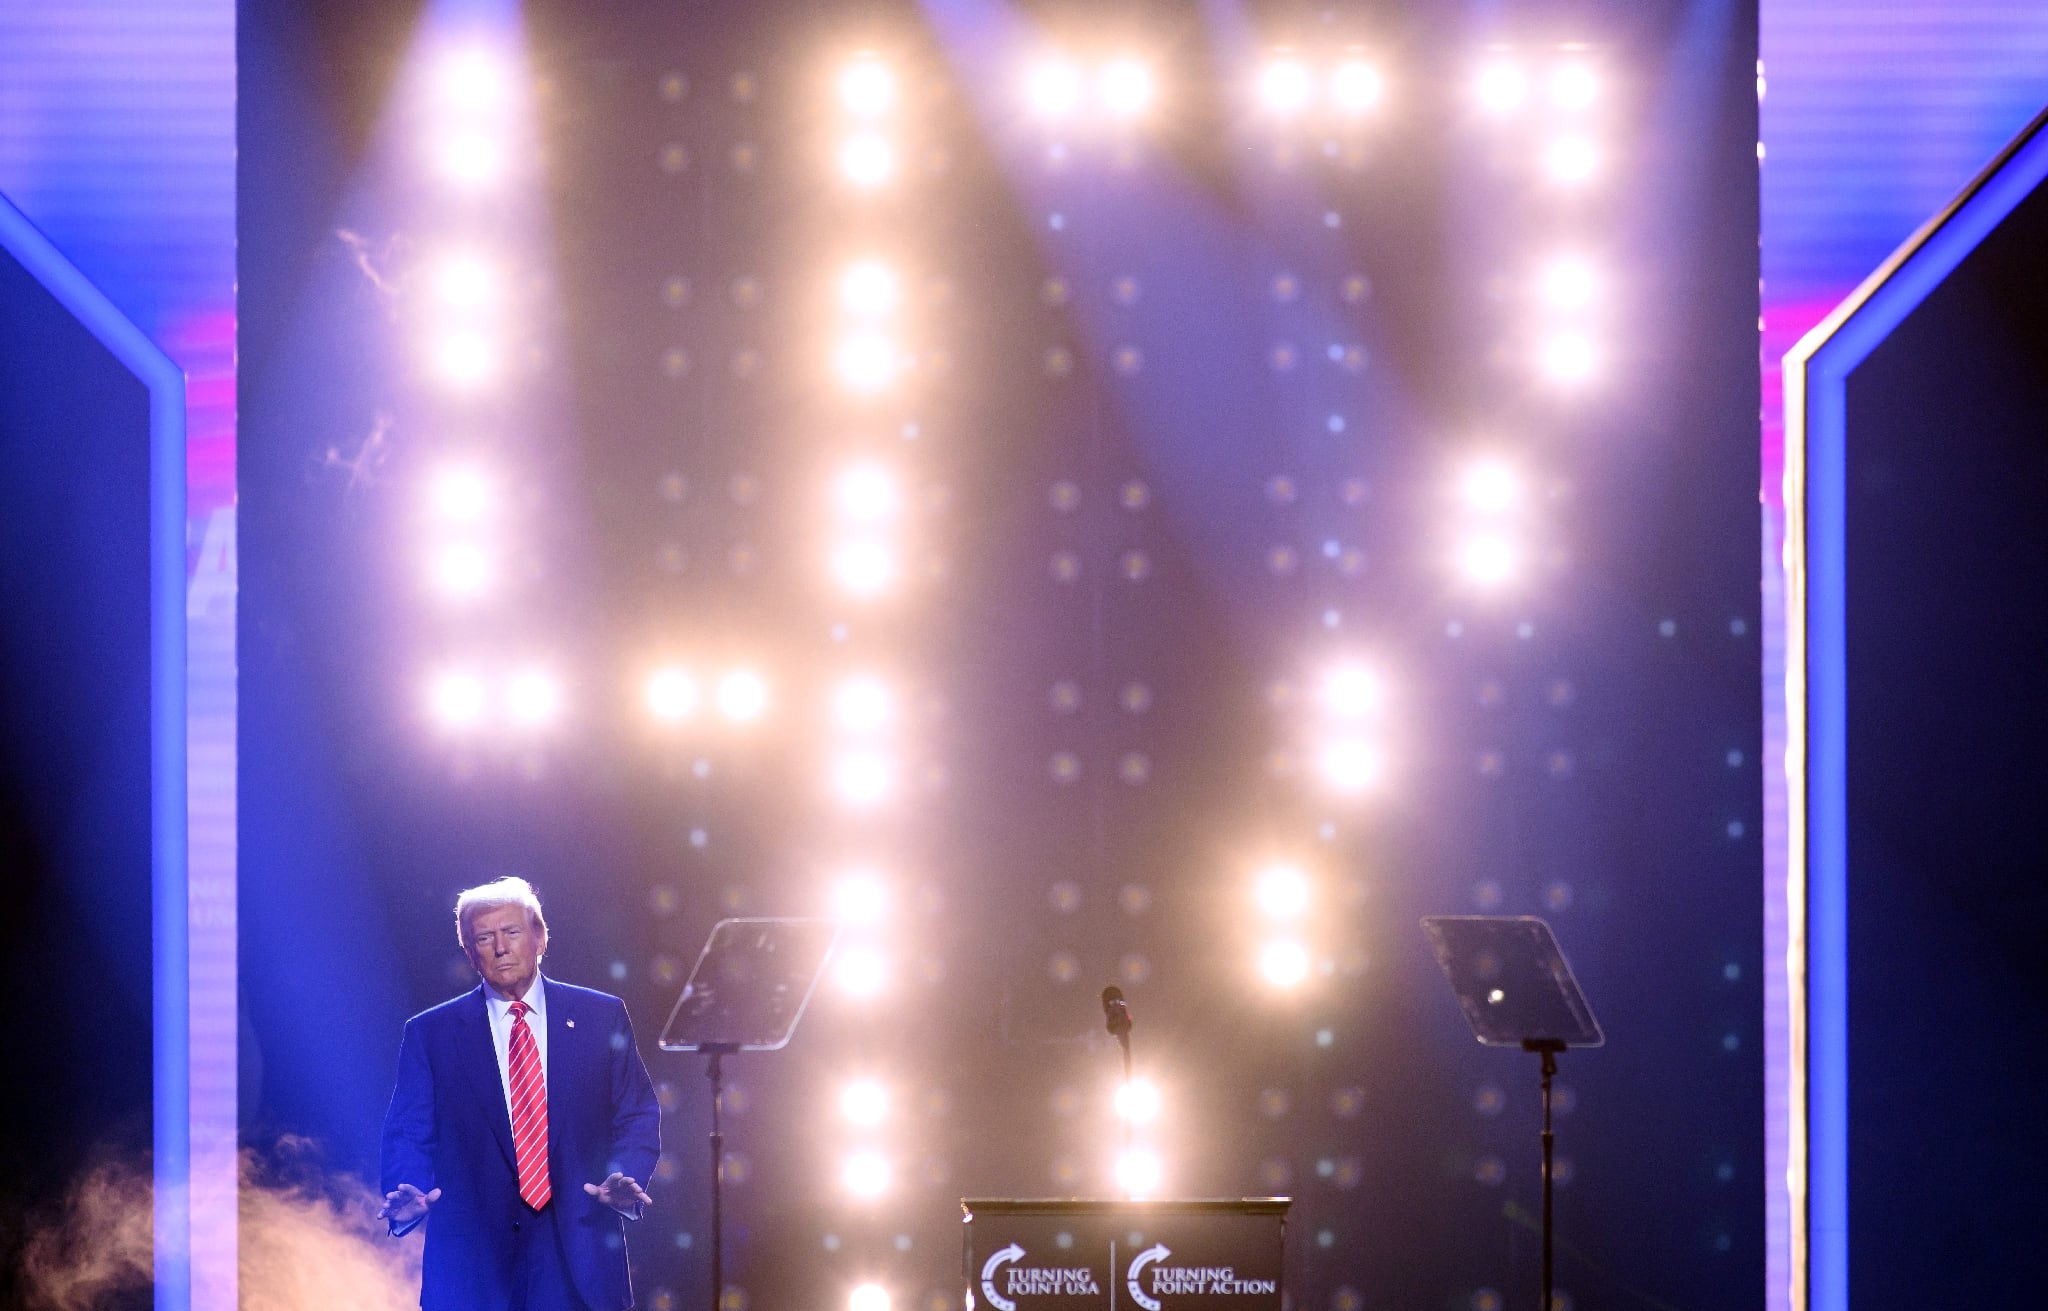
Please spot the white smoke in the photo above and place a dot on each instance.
(371, 259)
(359, 466)
(309, 1238)
(99, 1244)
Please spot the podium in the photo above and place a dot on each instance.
(1081, 1255)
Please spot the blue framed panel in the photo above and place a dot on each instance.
(165, 383)
(1816, 375)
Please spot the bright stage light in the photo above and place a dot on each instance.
(868, 362)
(867, 87)
(671, 694)
(864, 568)
(1569, 358)
(1489, 487)
(472, 79)
(867, 493)
(1351, 766)
(742, 696)
(1571, 160)
(1501, 88)
(1356, 86)
(462, 571)
(868, 288)
(1138, 1101)
(864, 1102)
(1489, 559)
(1054, 88)
(1573, 86)
(864, 779)
(465, 281)
(1568, 283)
(1282, 891)
(866, 1174)
(867, 160)
(460, 493)
(868, 1297)
(1284, 85)
(862, 704)
(469, 160)
(861, 972)
(466, 360)
(533, 698)
(456, 700)
(1352, 692)
(860, 898)
(1138, 1172)
(1127, 87)
(1284, 963)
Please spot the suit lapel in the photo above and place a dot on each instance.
(560, 1060)
(479, 1057)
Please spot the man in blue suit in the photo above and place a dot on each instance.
(524, 1121)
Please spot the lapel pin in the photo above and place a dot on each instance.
(570, 1023)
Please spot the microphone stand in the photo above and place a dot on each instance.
(1130, 1119)
(1116, 1014)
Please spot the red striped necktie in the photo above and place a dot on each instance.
(529, 1113)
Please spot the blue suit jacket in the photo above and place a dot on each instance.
(448, 1128)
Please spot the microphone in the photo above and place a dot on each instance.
(1116, 1013)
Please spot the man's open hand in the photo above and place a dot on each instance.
(406, 1205)
(621, 1193)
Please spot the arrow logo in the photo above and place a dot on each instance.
(988, 1277)
(1156, 1252)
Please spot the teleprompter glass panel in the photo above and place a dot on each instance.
(1512, 981)
(750, 985)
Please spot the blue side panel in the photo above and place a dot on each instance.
(156, 518)
(1828, 360)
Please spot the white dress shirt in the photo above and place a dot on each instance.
(500, 1012)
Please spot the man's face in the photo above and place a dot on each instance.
(506, 947)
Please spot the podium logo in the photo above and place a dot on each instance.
(988, 1276)
(1133, 1276)
(1002, 1286)
(1185, 1280)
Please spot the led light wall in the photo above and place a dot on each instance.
(1159, 504)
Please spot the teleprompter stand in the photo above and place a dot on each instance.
(748, 990)
(1516, 991)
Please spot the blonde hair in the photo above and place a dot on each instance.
(508, 891)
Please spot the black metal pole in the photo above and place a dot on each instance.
(1130, 1107)
(1549, 1069)
(717, 1182)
